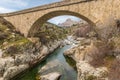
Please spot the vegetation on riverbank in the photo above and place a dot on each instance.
(50, 32)
(109, 53)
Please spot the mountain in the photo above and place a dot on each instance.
(68, 23)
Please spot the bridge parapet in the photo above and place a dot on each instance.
(44, 7)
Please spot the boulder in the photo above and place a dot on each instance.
(51, 66)
(77, 53)
(88, 72)
(50, 76)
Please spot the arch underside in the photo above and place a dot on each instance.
(36, 26)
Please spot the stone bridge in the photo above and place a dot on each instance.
(95, 12)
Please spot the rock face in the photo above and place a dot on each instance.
(50, 76)
(9, 67)
(18, 53)
(88, 72)
(82, 55)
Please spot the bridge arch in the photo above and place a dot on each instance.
(39, 22)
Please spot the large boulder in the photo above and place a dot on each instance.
(78, 52)
(51, 67)
(50, 76)
(88, 72)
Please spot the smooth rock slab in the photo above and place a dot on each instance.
(50, 67)
(51, 76)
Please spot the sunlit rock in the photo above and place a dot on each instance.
(50, 76)
(88, 72)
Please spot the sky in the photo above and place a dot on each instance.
(7, 6)
(15, 5)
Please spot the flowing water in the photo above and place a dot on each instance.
(68, 72)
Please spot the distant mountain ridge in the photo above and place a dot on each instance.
(69, 22)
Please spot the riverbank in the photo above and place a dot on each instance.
(18, 53)
(14, 70)
(96, 59)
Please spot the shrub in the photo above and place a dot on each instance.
(91, 77)
(3, 36)
(82, 31)
(98, 52)
(109, 29)
(114, 72)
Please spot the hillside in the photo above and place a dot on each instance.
(50, 32)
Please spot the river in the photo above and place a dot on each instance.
(68, 72)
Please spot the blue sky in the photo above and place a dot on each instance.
(7, 6)
(15, 5)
